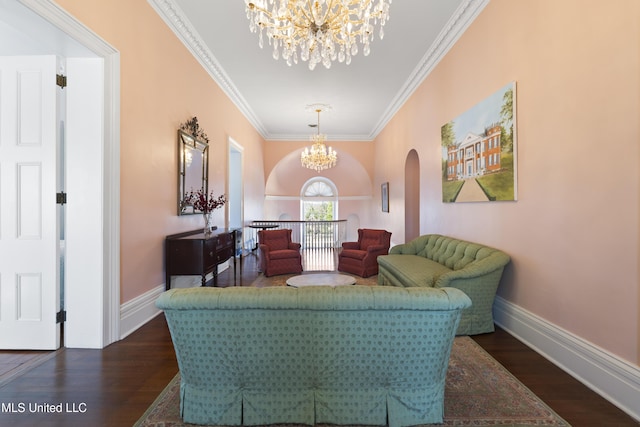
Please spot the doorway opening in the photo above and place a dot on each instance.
(94, 67)
(412, 196)
(235, 192)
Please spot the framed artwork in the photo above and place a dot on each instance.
(385, 196)
(479, 151)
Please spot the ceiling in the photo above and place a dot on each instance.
(24, 32)
(363, 95)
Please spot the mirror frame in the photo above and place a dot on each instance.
(188, 142)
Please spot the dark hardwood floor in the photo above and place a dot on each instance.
(114, 386)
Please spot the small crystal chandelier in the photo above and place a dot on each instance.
(318, 157)
(317, 30)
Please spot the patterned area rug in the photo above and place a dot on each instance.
(479, 392)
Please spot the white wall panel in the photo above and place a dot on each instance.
(29, 297)
(29, 252)
(29, 205)
(30, 107)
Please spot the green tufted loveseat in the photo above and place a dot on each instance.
(338, 355)
(437, 261)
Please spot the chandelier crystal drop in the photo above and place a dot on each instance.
(319, 157)
(317, 30)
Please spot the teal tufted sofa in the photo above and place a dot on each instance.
(339, 355)
(437, 261)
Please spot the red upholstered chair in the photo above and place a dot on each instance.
(361, 257)
(278, 254)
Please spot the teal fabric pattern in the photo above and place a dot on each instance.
(339, 355)
(439, 261)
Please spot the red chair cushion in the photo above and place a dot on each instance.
(353, 253)
(282, 254)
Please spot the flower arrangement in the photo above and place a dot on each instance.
(203, 203)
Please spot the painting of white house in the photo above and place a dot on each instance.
(479, 151)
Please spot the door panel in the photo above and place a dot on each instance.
(29, 247)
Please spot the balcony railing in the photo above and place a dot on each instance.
(310, 234)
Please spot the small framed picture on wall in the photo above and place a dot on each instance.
(385, 196)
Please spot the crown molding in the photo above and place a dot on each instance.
(177, 21)
(457, 25)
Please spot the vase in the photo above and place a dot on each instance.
(207, 222)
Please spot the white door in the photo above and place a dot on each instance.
(29, 244)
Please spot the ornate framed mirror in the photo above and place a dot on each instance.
(193, 169)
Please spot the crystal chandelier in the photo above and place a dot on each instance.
(317, 30)
(319, 157)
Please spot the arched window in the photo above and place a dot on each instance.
(319, 200)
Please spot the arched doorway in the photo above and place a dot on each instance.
(319, 209)
(412, 196)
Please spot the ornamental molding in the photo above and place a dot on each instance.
(457, 25)
(177, 21)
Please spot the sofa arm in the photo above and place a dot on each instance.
(376, 248)
(403, 249)
(350, 245)
(264, 248)
(295, 246)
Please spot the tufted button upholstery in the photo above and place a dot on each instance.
(442, 261)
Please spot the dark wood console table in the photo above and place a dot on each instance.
(194, 253)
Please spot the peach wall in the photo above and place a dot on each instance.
(275, 151)
(162, 85)
(285, 178)
(351, 174)
(574, 232)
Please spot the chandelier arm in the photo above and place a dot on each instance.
(305, 13)
(325, 18)
(335, 24)
(293, 24)
(261, 9)
(333, 21)
(301, 25)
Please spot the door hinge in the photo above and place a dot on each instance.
(61, 316)
(61, 80)
(61, 198)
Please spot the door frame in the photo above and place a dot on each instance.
(110, 215)
(235, 190)
(411, 196)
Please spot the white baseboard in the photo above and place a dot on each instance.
(614, 379)
(138, 311)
